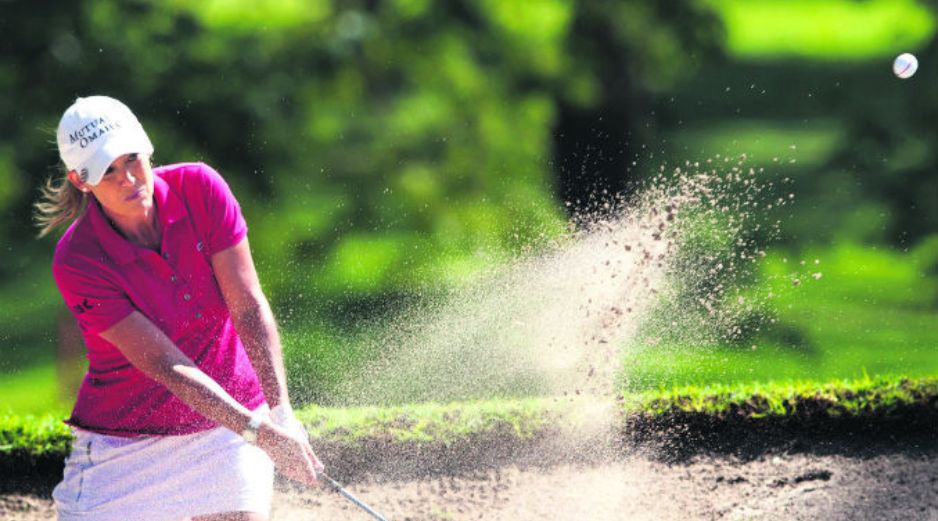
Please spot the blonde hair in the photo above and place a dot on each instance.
(59, 204)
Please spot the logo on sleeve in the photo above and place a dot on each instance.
(81, 308)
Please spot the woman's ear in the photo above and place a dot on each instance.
(76, 180)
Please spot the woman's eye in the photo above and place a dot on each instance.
(131, 157)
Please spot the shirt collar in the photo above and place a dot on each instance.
(116, 246)
(170, 209)
(170, 206)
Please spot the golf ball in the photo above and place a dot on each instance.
(905, 65)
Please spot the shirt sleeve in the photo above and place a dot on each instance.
(216, 212)
(96, 303)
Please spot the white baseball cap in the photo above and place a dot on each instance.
(94, 132)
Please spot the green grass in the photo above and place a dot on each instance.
(765, 142)
(33, 435)
(33, 391)
(28, 438)
(872, 311)
(857, 398)
(29, 306)
(833, 30)
(428, 421)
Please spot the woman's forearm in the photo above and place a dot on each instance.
(153, 353)
(290, 453)
(258, 331)
(253, 319)
(200, 392)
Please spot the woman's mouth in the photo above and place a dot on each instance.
(137, 194)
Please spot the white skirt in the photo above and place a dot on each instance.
(163, 478)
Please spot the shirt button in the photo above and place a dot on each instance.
(172, 278)
(198, 315)
(166, 255)
(187, 297)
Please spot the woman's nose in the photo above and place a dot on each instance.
(128, 176)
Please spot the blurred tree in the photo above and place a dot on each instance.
(376, 147)
(626, 55)
(889, 152)
(380, 149)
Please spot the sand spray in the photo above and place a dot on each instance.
(663, 265)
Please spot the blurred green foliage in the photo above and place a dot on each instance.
(381, 150)
(376, 147)
(824, 29)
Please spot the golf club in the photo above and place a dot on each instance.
(348, 495)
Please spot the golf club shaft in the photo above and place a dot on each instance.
(348, 495)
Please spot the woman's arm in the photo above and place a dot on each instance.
(253, 319)
(152, 352)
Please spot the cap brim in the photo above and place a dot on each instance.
(115, 146)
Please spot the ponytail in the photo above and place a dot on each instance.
(60, 203)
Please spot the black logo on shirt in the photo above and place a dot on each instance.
(81, 308)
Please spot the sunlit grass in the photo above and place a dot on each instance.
(29, 307)
(428, 421)
(35, 435)
(871, 310)
(764, 142)
(24, 438)
(824, 29)
(32, 391)
(858, 397)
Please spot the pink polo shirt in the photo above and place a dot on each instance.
(103, 278)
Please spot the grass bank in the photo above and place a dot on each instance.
(682, 419)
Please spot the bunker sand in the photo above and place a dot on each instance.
(882, 482)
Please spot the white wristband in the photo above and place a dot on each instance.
(250, 432)
(283, 416)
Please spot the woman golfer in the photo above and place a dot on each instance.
(183, 412)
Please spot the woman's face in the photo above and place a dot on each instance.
(126, 190)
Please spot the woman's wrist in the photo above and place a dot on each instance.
(252, 429)
(282, 415)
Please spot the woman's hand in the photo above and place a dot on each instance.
(293, 457)
(283, 416)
